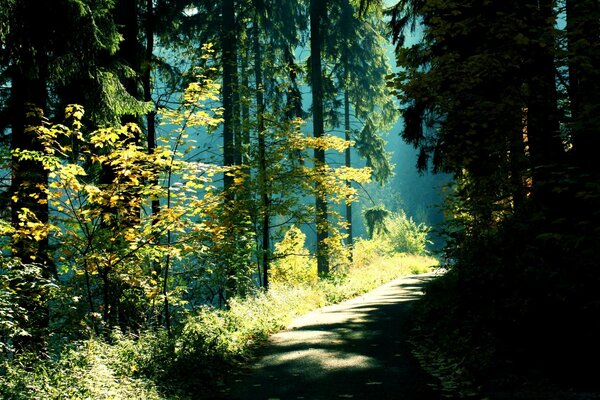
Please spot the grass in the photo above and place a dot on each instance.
(209, 345)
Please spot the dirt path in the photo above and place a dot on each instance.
(352, 350)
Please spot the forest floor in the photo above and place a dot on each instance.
(353, 350)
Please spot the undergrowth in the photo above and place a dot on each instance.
(199, 353)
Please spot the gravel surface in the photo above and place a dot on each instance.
(352, 350)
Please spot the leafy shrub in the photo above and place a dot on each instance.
(293, 263)
(395, 233)
(23, 288)
(404, 235)
(89, 370)
(363, 278)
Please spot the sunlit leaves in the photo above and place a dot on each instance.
(99, 189)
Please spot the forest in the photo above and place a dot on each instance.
(181, 178)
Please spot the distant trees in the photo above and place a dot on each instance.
(361, 82)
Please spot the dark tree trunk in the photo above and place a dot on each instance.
(517, 169)
(229, 61)
(230, 114)
(294, 97)
(262, 160)
(151, 119)
(245, 106)
(350, 239)
(147, 83)
(317, 12)
(130, 51)
(545, 143)
(28, 101)
(583, 36)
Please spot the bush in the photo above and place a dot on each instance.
(395, 233)
(89, 370)
(292, 262)
(404, 235)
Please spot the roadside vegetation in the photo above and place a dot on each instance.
(211, 342)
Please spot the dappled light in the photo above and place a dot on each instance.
(299, 199)
(354, 348)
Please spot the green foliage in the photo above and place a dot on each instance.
(393, 233)
(375, 220)
(293, 264)
(98, 192)
(368, 274)
(355, 48)
(154, 365)
(23, 288)
(91, 369)
(523, 236)
(406, 236)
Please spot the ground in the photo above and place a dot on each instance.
(353, 350)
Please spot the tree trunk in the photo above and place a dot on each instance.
(317, 12)
(262, 160)
(350, 239)
(583, 33)
(230, 114)
(294, 97)
(151, 123)
(229, 61)
(28, 100)
(130, 50)
(545, 144)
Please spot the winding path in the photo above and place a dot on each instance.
(352, 350)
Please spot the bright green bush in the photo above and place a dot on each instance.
(363, 278)
(404, 235)
(397, 234)
(292, 261)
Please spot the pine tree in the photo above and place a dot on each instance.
(318, 10)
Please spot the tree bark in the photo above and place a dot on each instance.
(350, 239)
(583, 33)
(230, 115)
(317, 12)
(229, 61)
(28, 100)
(545, 143)
(262, 160)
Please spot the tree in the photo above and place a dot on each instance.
(480, 99)
(583, 31)
(318, 11)
(356, 50)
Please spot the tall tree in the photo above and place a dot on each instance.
(318, 11)
(50, 51)
(498, 126)
(262, 160)
(583, 35)
(229, 63)
(28, 81)
(355, 47)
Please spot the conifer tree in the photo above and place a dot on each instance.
(318, 12)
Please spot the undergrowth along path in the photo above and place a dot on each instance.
(353, 350)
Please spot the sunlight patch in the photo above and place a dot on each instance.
(325, 359)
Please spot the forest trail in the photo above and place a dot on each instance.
(353, 350)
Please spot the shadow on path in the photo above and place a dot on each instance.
(353, 350)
